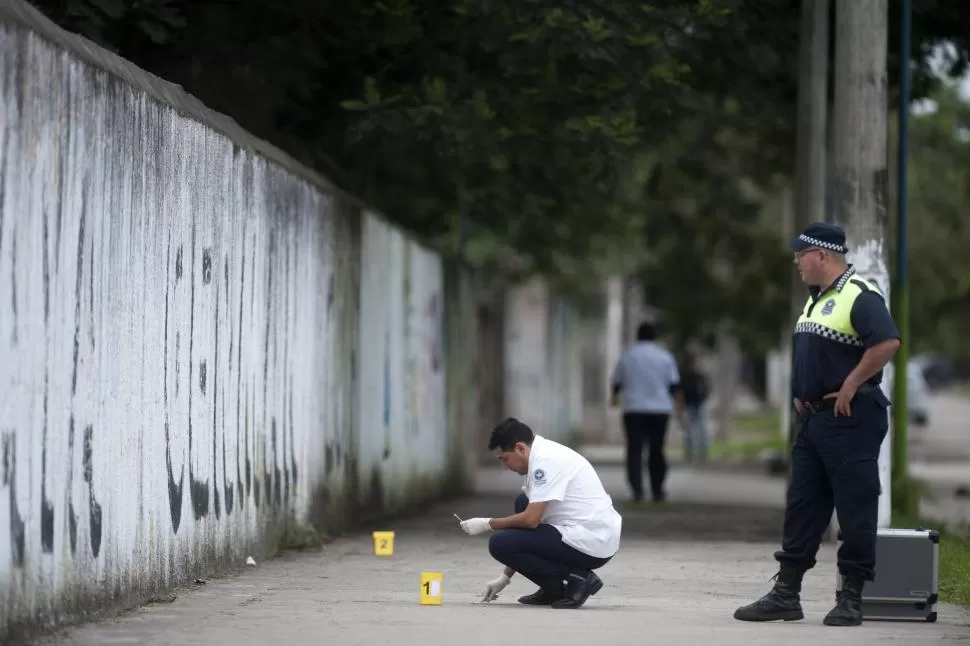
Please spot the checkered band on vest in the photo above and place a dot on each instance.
(807, 327)
(819, 243)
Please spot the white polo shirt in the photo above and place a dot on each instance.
(576, 503)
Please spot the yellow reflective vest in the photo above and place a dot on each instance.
(830, 316)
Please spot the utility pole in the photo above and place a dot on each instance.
(903, 498)
(859, 159)
(810, 157)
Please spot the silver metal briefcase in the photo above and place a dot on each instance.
(906, 587)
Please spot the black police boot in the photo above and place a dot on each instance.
(848, 607)
(783, 601)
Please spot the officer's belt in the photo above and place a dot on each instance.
(826, 403)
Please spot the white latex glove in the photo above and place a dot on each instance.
(474, 526)
(492, 588)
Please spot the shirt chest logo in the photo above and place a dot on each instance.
(538, 476)
(828, 307)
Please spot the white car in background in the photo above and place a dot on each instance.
(917, 392)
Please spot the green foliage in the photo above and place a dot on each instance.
(906, 494)
(298, 536)
(569, 138)
(709, 254)
(954, 568)
(522, 116)
(520, 119)
(103, 20)
(747, 450)
(939, 229)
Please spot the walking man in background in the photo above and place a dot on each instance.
(844, 338)
(647, 377)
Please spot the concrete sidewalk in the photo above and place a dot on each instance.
(678, 577)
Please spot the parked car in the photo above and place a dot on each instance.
(940, 371)
(918, 395)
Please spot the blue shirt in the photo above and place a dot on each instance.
(645, 374)
(820, 365)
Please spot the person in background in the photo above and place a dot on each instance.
(696, 388)
(649, 381)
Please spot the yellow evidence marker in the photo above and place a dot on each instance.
(383, 543)
(431, 588)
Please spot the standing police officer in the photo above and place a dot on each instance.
(843, 339)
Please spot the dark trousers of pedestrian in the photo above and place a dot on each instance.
(648, 429)
(540, 555)
(835, 465)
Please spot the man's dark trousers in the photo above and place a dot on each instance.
(649, 429)
(835, 464)
(539, 554)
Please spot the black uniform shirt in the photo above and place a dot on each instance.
(819, 364)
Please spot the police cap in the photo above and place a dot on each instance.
(822, 235)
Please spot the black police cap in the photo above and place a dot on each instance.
(822, 235)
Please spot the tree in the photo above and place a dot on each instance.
(553, 133)
(939, 200)
(518, 115)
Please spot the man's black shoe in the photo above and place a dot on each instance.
(578, 590)
(782, 603)
(848, 607)
(542, 597)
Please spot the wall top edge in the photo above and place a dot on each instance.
(21, 14)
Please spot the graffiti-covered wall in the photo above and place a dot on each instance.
(401, 391)
(199, 341)
(543, 365)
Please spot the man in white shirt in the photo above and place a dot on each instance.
(648, 378)
(564, 525)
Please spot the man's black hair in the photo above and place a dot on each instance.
(646, 332)
(508, 433)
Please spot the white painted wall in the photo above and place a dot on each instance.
(565, 369)
(401, 392)
(201, 341)
(160, 345)
(196, 344)
(526, 392)
(616, 343)
(543, 384)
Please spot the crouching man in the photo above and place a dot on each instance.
(564, 525)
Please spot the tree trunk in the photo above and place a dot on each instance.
(813, 106)
(859, 160)
(810, 158)
(726, 381)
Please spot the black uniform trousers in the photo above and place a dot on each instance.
(540, 555)
(835, 465)
(649, 429)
